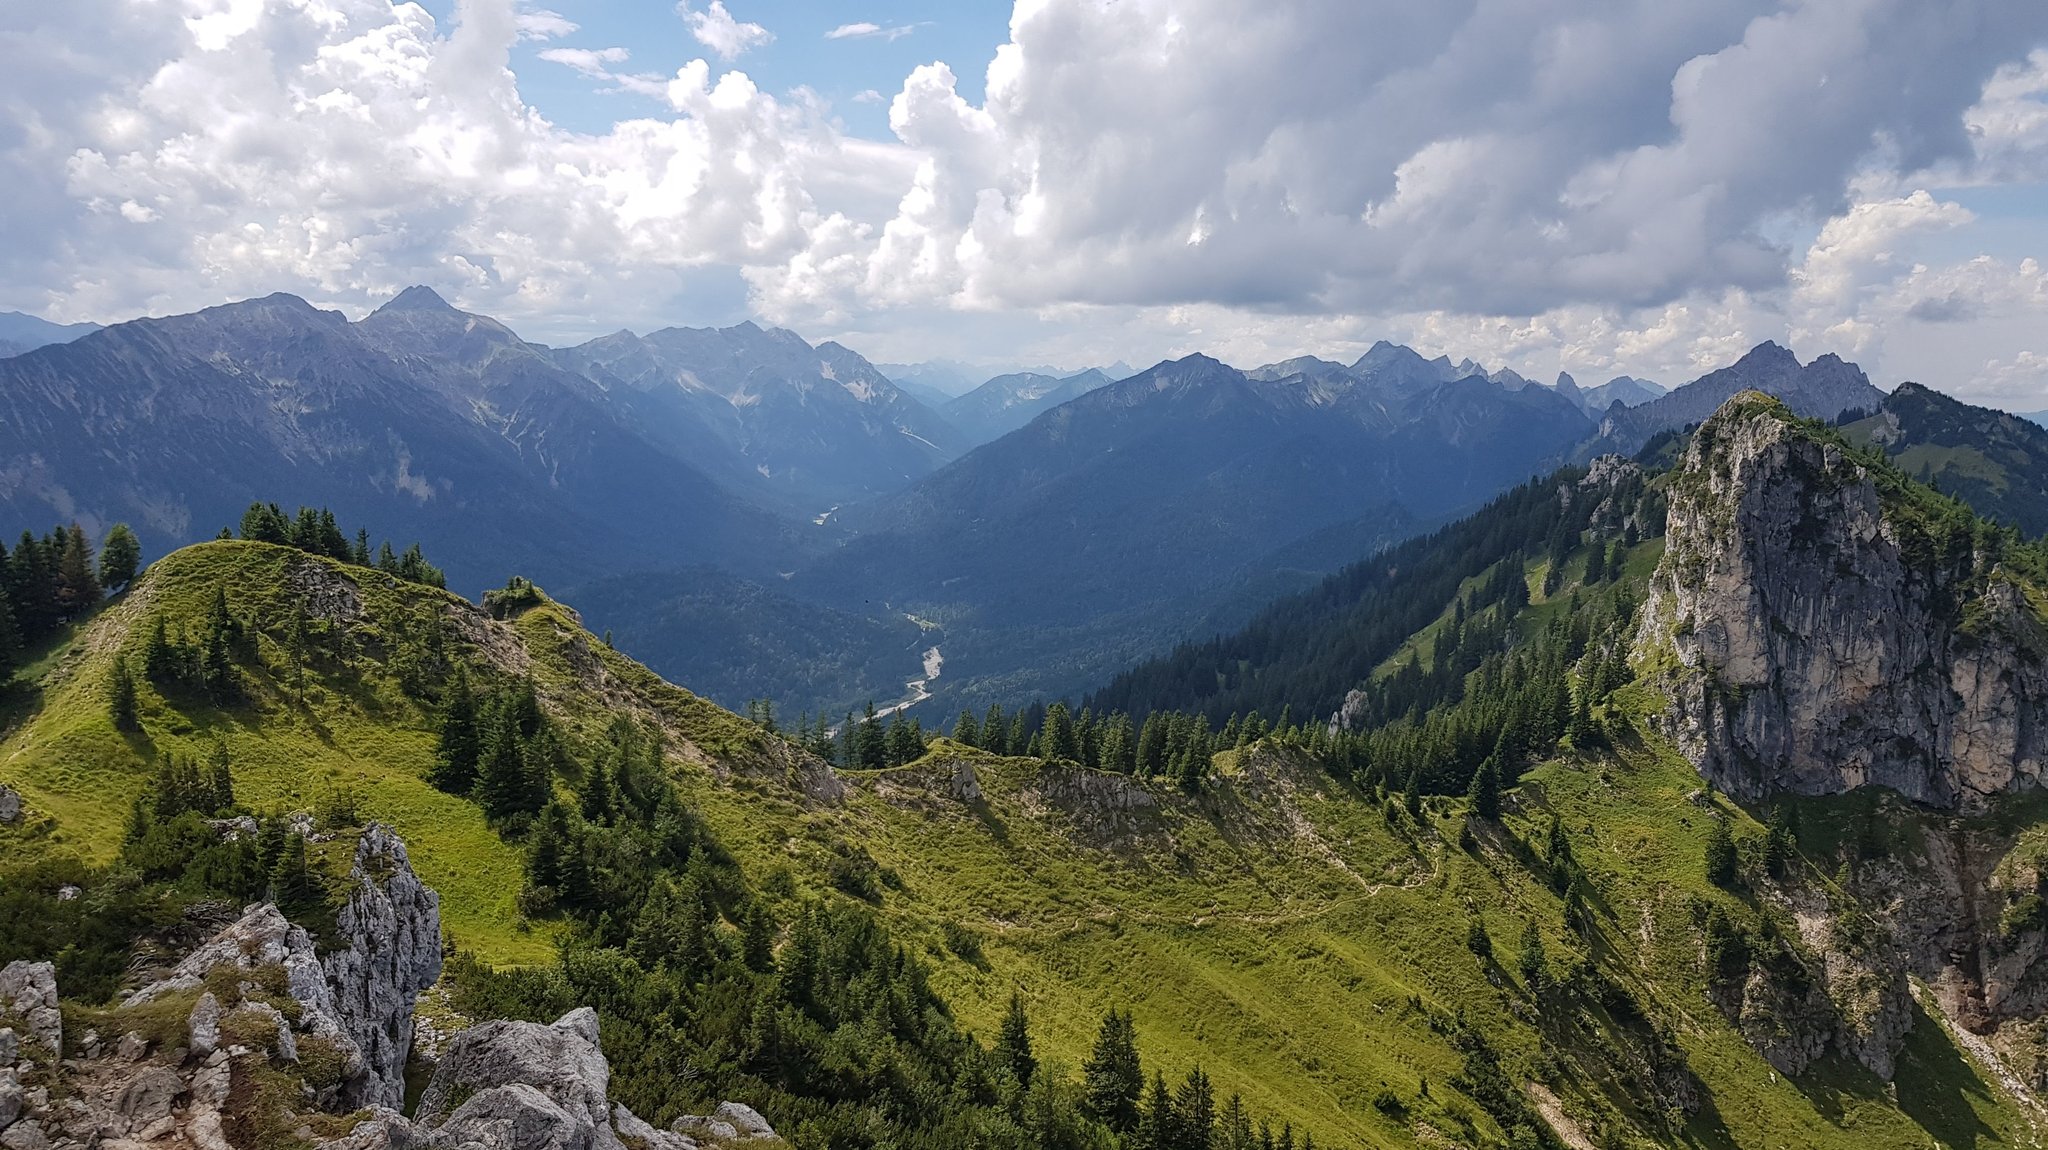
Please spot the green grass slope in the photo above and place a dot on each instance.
(1305, 943)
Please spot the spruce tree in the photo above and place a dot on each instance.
(121, 705)
(1119, 745)
(1530, 962)
(1152, 746)
(1720, 858)
(1234, 1126)
(1477, 940)
(78, 589)
(995, 731)
(120, 557)
(1013, 1042)
(594, 797)
(1157, 1128)
(757, 938)
(871, 742)
(1112, 1078)
(1486, 790)
(501, 784)
(294, 887)
(966, 731)
(217, 649)
(456, 753)
(10, 635)
(1194, 1111)
(1057, 740)
(220, 781)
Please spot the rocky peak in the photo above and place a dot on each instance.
(418, 297)
(1815, 636)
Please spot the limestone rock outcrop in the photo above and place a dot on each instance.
(392, 924)
(1813, 638)
(359, 997)
(28, 990)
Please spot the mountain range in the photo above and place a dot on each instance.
(20, 332)
(751, 512)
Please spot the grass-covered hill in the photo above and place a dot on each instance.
(1995, 462)
(1326, 930)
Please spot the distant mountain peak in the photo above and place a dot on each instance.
(1771, 352)
(418, 297)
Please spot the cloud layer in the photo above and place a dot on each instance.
(1635, 184)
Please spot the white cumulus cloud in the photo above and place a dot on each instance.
(716, 29)
(1634, 185)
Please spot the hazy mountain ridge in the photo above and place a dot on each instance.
(20, 332)
(1008, 402)
(425, 419)
(814, 425)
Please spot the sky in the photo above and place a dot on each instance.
(1646, 187)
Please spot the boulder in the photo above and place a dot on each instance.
(10, 805)
(24, 1135)
(29, 989)
(10, 1098)
(517, 1117)
(745, 1119)
(132, 1048)
(204, 1025)
(562, 1062)
(149, 1095)
(270, 1027)
(631, 1125)
(10, 1047)
(261, 937)
(703, 1126)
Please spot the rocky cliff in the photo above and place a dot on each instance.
(255, 1040)
(1818, 627)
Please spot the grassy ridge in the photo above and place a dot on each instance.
(1278, 929)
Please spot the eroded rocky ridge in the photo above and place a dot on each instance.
(1810, 639)
(1814, 632)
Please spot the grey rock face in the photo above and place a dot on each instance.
(261, 937)
(29, 989)
(24, 1136)
(392, 922)
(562, 1063)
(965, 786)
(745, 1119)
(360, 997)
(204, 1025)
(1806, 648)
(10, 1047)
(149, 1095)
(519, 1117)
(10, 1098)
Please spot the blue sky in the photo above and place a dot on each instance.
(963, 33)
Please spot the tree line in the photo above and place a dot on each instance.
(50, 581)
(315, 531)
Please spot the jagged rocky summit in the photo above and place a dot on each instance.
(340, 1024)
(1812, 637)
(1817, 626)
